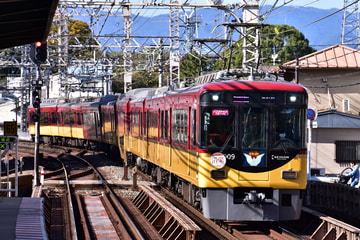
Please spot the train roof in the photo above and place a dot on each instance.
(253, 85)
(230, 84)
(81, 101)
(140, 93)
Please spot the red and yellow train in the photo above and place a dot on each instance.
(234, 149)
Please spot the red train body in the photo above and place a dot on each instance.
(235, 149)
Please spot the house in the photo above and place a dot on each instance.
(332, 78)
(335, 141)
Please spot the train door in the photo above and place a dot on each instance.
(192, 146)
(97, 125)
(145, 131)
(188, 157)
(164, 147)
(170, 137)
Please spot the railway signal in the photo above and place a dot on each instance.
(36, 104)
(38, 52)
(36, 99)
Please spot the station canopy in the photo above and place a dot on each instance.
(25, 21)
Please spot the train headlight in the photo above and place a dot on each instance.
(218, 160)
(215, 97)
(289, 174)
(293, 99)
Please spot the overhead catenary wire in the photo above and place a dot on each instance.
(329, 15)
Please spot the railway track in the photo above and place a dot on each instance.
(103, 214)
(117, 204)
(92, 205)
(223, 230)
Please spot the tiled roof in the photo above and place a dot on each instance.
(337, 56)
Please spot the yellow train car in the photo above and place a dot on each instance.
(47, 120)
(234, 149)
(78, 123)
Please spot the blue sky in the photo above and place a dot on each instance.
(324, 4)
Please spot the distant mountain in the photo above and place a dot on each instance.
(320, 33)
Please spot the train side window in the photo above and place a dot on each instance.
(164, 124)
(69, 118)
(166, 121)
(97, 117)
(141, 124)
(78, 116)
(135, 122)
(153, 123)
(44, 118)
(145, 125)
(88, 119)
(66, 118)
(179, 125)
(54, 118)
(60, 117)
(193, 127)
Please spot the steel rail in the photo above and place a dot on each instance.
(70, 204)
(131, 226)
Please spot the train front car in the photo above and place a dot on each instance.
(252, 150)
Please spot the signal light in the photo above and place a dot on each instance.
(36, 99)
(35, 117)
(36, 103)
(38, 52)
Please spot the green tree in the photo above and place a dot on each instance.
(145, 79)
(80, 39)
(140, 79)
(285, 41)
(190, 65)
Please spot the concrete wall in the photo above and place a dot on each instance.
(328, 88)
(323, 147)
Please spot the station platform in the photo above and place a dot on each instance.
(22, 218)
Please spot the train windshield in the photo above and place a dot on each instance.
(287, 128)
(218, 127)
(253, 128)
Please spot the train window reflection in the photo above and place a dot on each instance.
(288, 128)
(217, 127)
(254, 128)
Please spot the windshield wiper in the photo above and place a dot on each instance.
(225, 145)
(282, 137)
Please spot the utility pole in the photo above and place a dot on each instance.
(350, 32)
(127, 50)
(251, 36)
(161, 63)
(174, 43)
